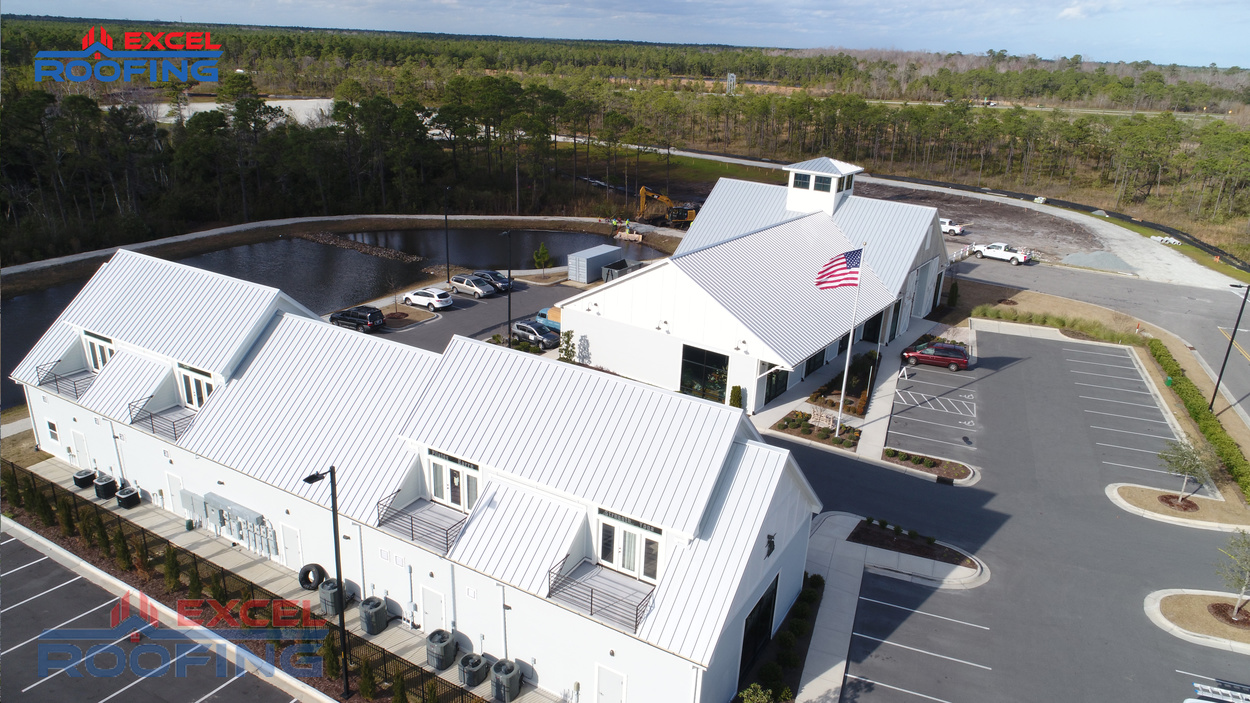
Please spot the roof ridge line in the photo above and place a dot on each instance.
(735, 238)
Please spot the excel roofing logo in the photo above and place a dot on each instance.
(161, 56)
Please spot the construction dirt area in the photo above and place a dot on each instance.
(987, 221)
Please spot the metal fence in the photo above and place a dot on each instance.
(215, 578)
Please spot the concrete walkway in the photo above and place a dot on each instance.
(842, 564)
(16, 426)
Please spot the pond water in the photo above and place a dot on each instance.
(485, 248)
(323, 278)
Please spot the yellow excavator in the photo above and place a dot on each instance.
(658, 209)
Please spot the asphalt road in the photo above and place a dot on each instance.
(1069, 570)
(479, 319)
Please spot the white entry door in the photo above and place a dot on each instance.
(431, 610)
(175, 494)
(611, 686)
(82, 458)
(291, 549)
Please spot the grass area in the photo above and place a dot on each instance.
(1223, 511)
(1189, 250)
(1189, 612)
(20, 449)
(14, 414)
(1091, 329)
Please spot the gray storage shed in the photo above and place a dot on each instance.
(587, 265)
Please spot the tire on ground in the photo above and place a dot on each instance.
(311, 576)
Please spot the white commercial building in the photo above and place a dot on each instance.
(737, 303)
(610, 537)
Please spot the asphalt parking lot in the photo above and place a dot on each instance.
(479, 319)
(40, 594)
(938, 412)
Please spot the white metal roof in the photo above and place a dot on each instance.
(597, 250)
(52, 346)
(694, 597)
(312, 395)
(126, 377)
(768, 282)
(198, 317)
(515, 535)
(733, 209)
(824, 164)
(895, 232)
(635, 449)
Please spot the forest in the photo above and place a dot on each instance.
(418, 119)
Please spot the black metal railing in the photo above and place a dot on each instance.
(62, 385)
(621, 610)
(158, 424)
(418, 528)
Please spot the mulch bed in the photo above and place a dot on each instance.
(1224, 613)
(790, 676)
(876, 536)
(847, 433)
(1175, 502)
(944, 468)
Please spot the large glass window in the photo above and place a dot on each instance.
(196, 387)
(704, 373)
(824, 184)
(607, 544)
(99, 351)
(470, 484)
(802, 181)
(650, 558)
(437, 479)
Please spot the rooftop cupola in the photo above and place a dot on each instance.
(819, 184)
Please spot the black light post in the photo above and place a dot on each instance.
(1231, 337)
(338, 567)
(508, 330)
(446, 237)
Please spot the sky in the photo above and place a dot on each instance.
(1185, 32)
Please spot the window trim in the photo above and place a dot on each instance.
(52, 431)
(823, 184)
(805, 178)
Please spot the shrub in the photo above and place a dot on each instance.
(12, 491)
(195, 587)
(102, 538)
(823, 433)
(930, 463)
(1010, 314)
(917, 459)
(65, 515)
(788, 659)
(331, 660)
(751, 694)
(142, 559)
(800, 627)
(431, 692)
(952, 296)
(898, 529)
(891, 453)
(810, 594)
(172, 569)
(216, 589)
(121, 550)
(904, 456)
(368, 682)
(837, 441)
(816, 581)
(806, 430)
(781, 425)
(43, 507)
(399, 693)
(786, 641)
(913, 534)
(981, 310)
(931, 540)
(1056, 321)
(771, 677)
(496, 339)
(786, 695)
(735, 396)
(801, 610)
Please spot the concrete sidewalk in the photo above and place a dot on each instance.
(842, 564)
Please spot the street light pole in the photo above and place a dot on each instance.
(338, 567)
(508, 329)
(446, 237)
(1231, 337)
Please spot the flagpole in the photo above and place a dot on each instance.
(850, 339)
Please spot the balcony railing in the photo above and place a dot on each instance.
(70, 386)
(157, 423)
(417, 527)
(626, 610)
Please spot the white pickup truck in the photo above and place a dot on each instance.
(949, 227)
(1004, 252)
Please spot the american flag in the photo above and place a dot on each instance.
(842, 270)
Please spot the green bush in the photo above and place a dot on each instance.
(12, 491)
(771, 675)
(816, 581)
(917, 460)
(735, 396)
(195, 587)
(904, 456)
(102, 537)
(65, 515)
(399, 692)
(913, 534)
(898, 529)
(930, 463)
(1056, 321)
(806, 430)
(800, 627)
(331, 659)
(952, 296)
(172, 569)
(801, 610)
(931, 540)
(217, 589)
(781, 425)
(981, 310)
(788, 659)
(121, 550)
(810, 594)
(786, 695)
(785, 641)
(823, 433)
(368, 682)
(891, 453)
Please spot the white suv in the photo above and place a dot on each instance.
(430, 298)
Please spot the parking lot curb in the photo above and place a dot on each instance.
(979, 576)
(1153, 611)
(168, 616)
(1113, 494)
(915, 473)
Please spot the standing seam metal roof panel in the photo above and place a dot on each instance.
(52, 346)
(313, 395)
(895, 232)
(824, 164)
(735, 208)
(126, 378)
(516, 536)
(637, 450)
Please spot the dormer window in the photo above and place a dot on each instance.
(629, 545)
(802, 181)
(196, 386)
(845, 183)
(99, 350)
(453, 480)
(824, 184)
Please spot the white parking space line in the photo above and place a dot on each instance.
(40, 594)
(1128, 417)
(153, 674)
(962, 428)
(1105, 375)
(23, 566)
(965, 408)
(943, 385)
(1099, 363)
(1112, 388)
(1140, 434)
(1121, 402)
(229, 681)
(1131, 449)
(1083, 351)
(921, 612)
(1139, 468)
(914, 649)
(32, 639)
(83, 658)
(886, 685)
(928, 439)
(7, 541)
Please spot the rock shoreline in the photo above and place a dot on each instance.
(335, 240)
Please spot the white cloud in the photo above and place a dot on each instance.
(1075, 12)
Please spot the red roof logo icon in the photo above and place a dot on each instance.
(90, 38)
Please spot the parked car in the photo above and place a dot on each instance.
(949, 227)
(475, 286)
(535, 332)
(501, 282)
(363, 318)
(429, 298)
(1003, 252)
(951, 356)
(550, 317)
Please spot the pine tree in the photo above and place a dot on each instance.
(217, 589)
(102, 537)
(172, 569)
(331, 666)
(368, 683)
(65, 515)
(12, 489)
(399, 692)
(542, 257)
(195, 587)
(121, 550)
(431, 691)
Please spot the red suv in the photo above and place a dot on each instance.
(948, 355)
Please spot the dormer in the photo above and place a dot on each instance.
(820, 184)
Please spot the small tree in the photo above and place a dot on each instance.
(331, 664)
(756, 694)
(735, 396)
(173, 570)
(217, 589)
(567, 350)
(12, 489)
(65, 515)
(368, 683)
(1236, 569)
(952, 296)
(1189, 462)
(102, 537)
(121, 550)
(542, 257)
(399, 693)
(43, 508)
(142, 558)
(431, 691)
(195, 586)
